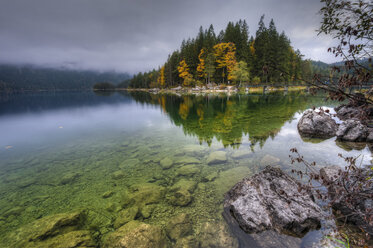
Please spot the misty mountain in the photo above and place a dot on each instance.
(30, 78)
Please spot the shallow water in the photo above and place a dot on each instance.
(65, 151)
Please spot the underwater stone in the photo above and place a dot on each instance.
(187, 170)
(145, 194)
(166, 163)
(187, 242)
(70, 239)
(211, 177)
(112, 207)
(107, 194)
(194, 149)
(217, 157)
(179, 227)
(118, 175)
(216, 234)
(69, 178)
(269, 160)
(188, 185)
(13, 211)
(125, 216)
(227, 179)
(241, 154)
(129, 162)
(136, 234)
(181, 198)
(46, 228)
(146, 211)
(186, 160)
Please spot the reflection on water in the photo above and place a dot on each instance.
(154, 156)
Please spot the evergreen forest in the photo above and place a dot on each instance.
(232, 57)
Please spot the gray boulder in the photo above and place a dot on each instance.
(370, 135)
(317, 125)
(270, 201)
(345, 112)
(352, 130)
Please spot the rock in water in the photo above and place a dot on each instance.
(345, 112)
(317, 125)
(217, 157)
(179, 227)
(166, 163)
(136, 234)
(270, 201)
(352, 130)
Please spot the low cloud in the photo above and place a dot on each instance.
(132, 36)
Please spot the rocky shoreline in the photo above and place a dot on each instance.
(218, 89)
(353, 127)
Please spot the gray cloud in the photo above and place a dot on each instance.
(138, 35)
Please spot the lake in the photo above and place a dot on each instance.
(123, 156)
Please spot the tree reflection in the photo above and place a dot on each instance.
(230, 118)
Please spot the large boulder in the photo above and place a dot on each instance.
(317, 125)
(351, 207)
(352, 130)
(270, 201)
(345, 112)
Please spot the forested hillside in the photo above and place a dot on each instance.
(232, 56)
(25, 78)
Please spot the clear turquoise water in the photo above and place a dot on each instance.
(63, 151)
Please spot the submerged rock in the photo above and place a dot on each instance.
(144, 194)
(217, 157)
(166, 163)
(125, 216)
(270, 201)
(181, 198)
(216, 234)
(241, 154)
(59, 230)
(317, 125)
(107, 194)
(68, 240)
(186, 160)
(69, 178)
(227, 179)
(187, 170)
(129, 162)
(136, 234)
(269, 160)
(352, 130)
(188, 185)
(179, 227)
(118, 175)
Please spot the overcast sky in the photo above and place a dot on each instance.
(132, 36)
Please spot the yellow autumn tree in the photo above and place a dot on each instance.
(201, 66)
(183, 70)
(162, 80)
(225, 54)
